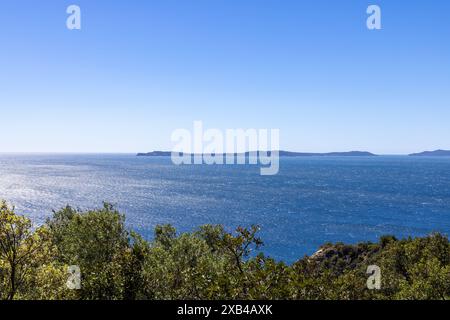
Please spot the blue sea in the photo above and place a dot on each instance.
(311, 201)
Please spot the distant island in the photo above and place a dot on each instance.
(328, 154)
(436, 153)
(281, 153)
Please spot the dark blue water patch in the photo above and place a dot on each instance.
(311, 201)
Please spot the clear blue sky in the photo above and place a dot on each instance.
(140, 69)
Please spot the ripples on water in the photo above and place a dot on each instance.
(311, 200)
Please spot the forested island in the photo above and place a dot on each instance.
(209, 263)
(436, 153)
(281, 154)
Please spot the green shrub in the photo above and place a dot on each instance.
(209, 263)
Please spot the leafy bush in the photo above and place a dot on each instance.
(209, 263)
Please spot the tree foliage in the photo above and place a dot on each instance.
(209, 263)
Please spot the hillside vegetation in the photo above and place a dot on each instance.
(209, 263)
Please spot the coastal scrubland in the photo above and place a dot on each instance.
(211, 262)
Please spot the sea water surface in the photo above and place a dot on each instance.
(311, 201)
